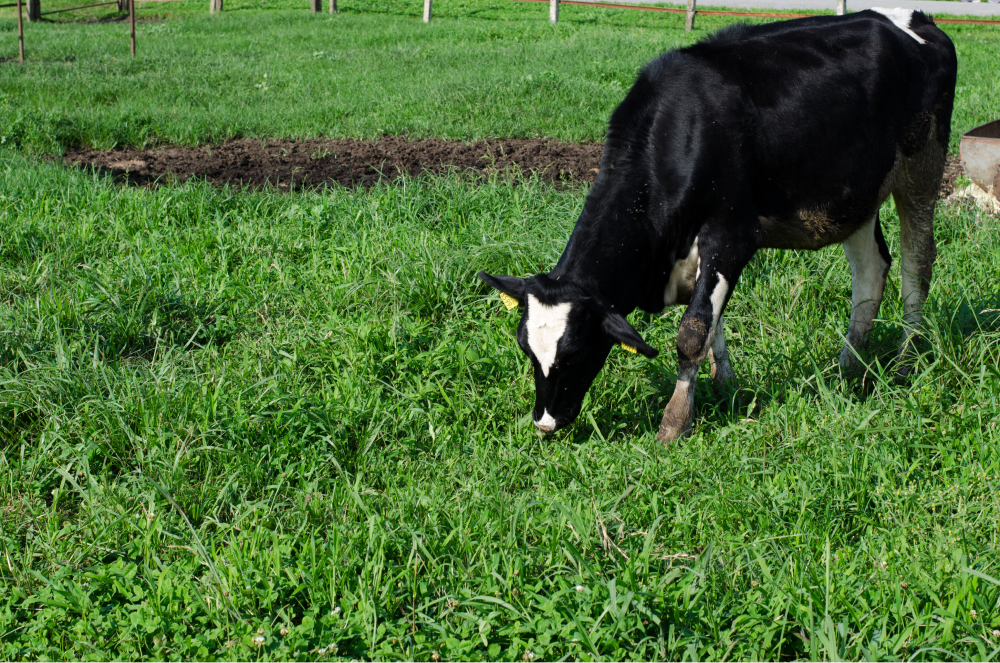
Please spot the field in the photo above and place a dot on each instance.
(241, 424)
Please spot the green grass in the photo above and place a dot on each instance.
(227, 411)
(480, 69)
(228, 415)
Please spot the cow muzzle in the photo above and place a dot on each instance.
(545, 424)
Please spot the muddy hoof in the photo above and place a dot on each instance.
(673, 428)
(667, 435)
(725, 385)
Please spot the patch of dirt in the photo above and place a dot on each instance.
(291, 165)
(952, 169)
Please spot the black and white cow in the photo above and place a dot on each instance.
(789, 136)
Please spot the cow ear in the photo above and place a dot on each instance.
(619, 330)
(510, 285)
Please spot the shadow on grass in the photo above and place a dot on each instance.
(715, 407)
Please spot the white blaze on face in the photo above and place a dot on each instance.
(901, 17)
(546, 325)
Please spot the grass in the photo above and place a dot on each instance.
(243, 425)
(229, 411)
(481, 69)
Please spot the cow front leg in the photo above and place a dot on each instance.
(695, 336)
(869, 258)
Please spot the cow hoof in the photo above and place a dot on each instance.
(673, 428)
(667, 435)
(725, 384)
(850, 365)
(902, 374)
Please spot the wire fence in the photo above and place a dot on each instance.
(315, 6)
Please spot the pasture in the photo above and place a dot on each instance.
(239, 424)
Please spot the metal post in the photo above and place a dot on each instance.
(689, 19)
(34, 10)
(333, 6)
(315, 6)
(553, 11)
(20, 33)
(841, 7)
(427, 11)
(214, 6)
(131, 25)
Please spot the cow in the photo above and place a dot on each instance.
(788, 135)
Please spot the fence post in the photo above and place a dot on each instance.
(427, 11)
(553, 11)
(34, 10)
(20, 34)
(214, 6)
(841, 7)
(689, 18)
(333, 6)
(131, 26)
(315, 6)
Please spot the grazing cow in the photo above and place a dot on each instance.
(790, 136)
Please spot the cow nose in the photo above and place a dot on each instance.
(544, 427)
(546, 423)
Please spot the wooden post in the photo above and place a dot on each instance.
(841, 7)
(214, 6)
(689, 18)
(20, 33)
(553, 12)
(333, 6)
(315, 6)
(34, 10)
(427, 11)
(131, 25)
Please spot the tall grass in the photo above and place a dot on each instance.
(246, 425)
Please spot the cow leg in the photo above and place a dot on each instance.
(915, 199)
(718, 357)
(699, 325)
(869, 258)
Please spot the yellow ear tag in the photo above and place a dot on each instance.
(508, 301)
(629, 348)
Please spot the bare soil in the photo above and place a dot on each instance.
(294, 165)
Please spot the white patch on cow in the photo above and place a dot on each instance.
(901, 17)
(681, 274)
(546, 423)
(719, 298)
(546, 325)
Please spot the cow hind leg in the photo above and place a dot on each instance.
(869, 258)
(915, 198)
(918, 251)
(718, 357)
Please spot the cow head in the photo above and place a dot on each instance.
(567, 335)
